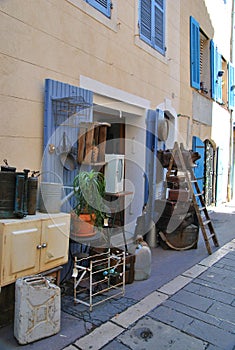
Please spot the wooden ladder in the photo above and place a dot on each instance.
(196, 195)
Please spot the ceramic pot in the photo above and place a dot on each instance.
(82, 225)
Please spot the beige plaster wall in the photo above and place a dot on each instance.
(64, 40)
(57, 39)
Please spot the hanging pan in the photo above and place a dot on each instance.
(65, 152)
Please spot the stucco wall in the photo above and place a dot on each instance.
(57, 39)
(65, 40)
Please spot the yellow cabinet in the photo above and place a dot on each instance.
(32, 245)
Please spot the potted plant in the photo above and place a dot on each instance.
(89, 190)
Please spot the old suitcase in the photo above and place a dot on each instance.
(178, 195)
(166, 207)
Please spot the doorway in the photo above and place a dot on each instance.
(210, 172)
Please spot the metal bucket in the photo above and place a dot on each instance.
(50, 197)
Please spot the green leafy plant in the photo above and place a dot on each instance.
(89, 190)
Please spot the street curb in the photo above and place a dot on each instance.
(119, 323)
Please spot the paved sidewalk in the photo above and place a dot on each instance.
(195, 311)
(187, 303)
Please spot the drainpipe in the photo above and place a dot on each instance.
(188, 127)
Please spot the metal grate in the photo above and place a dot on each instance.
(70, 110)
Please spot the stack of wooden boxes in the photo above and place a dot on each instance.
(176, 220)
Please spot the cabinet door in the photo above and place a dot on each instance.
(55, 242)
(20, 253)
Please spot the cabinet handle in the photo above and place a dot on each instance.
(44, 245)
(39, 246)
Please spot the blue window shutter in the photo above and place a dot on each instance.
(213, 69)
(159, 25)
(53, 133)
(103, 6)
(194, 53)
(231, 89)
(216, 66)
(145, 16)
(218, 79)
(152, 23)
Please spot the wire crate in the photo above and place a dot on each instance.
(99, 277)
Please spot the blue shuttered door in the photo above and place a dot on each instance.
(151, 143)
(103, 6)
(198, 146)
(231, 86)
(154, 172)
(194, 53)
(65, 107)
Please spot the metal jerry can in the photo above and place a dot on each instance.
(37, 309)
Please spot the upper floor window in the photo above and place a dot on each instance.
(152, 23)
(103, 6)
(231, 86)
(199, 58)
(208, 69)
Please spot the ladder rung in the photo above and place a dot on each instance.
(210, 236)
(202, 208)
(198, 194)
(206, 222)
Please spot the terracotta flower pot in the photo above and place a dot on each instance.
(82, 225)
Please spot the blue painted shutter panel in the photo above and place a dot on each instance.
(145, 20)
(213, 70)
(198, 146)
(54, 128)
(103, 6)
(152, 23)
(216, 66)
(219, 79)
(194, 53)
(231, 85)
(158, 15)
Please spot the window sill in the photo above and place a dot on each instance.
(144, 46)
(110, 23)
(211, 99)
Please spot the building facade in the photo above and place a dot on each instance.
(135, 62)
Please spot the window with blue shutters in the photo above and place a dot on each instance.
(194, 53)
(231, 86)
(199, 58)
(208, 69)
(152, 23)
(216, 73)
(103, 6)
